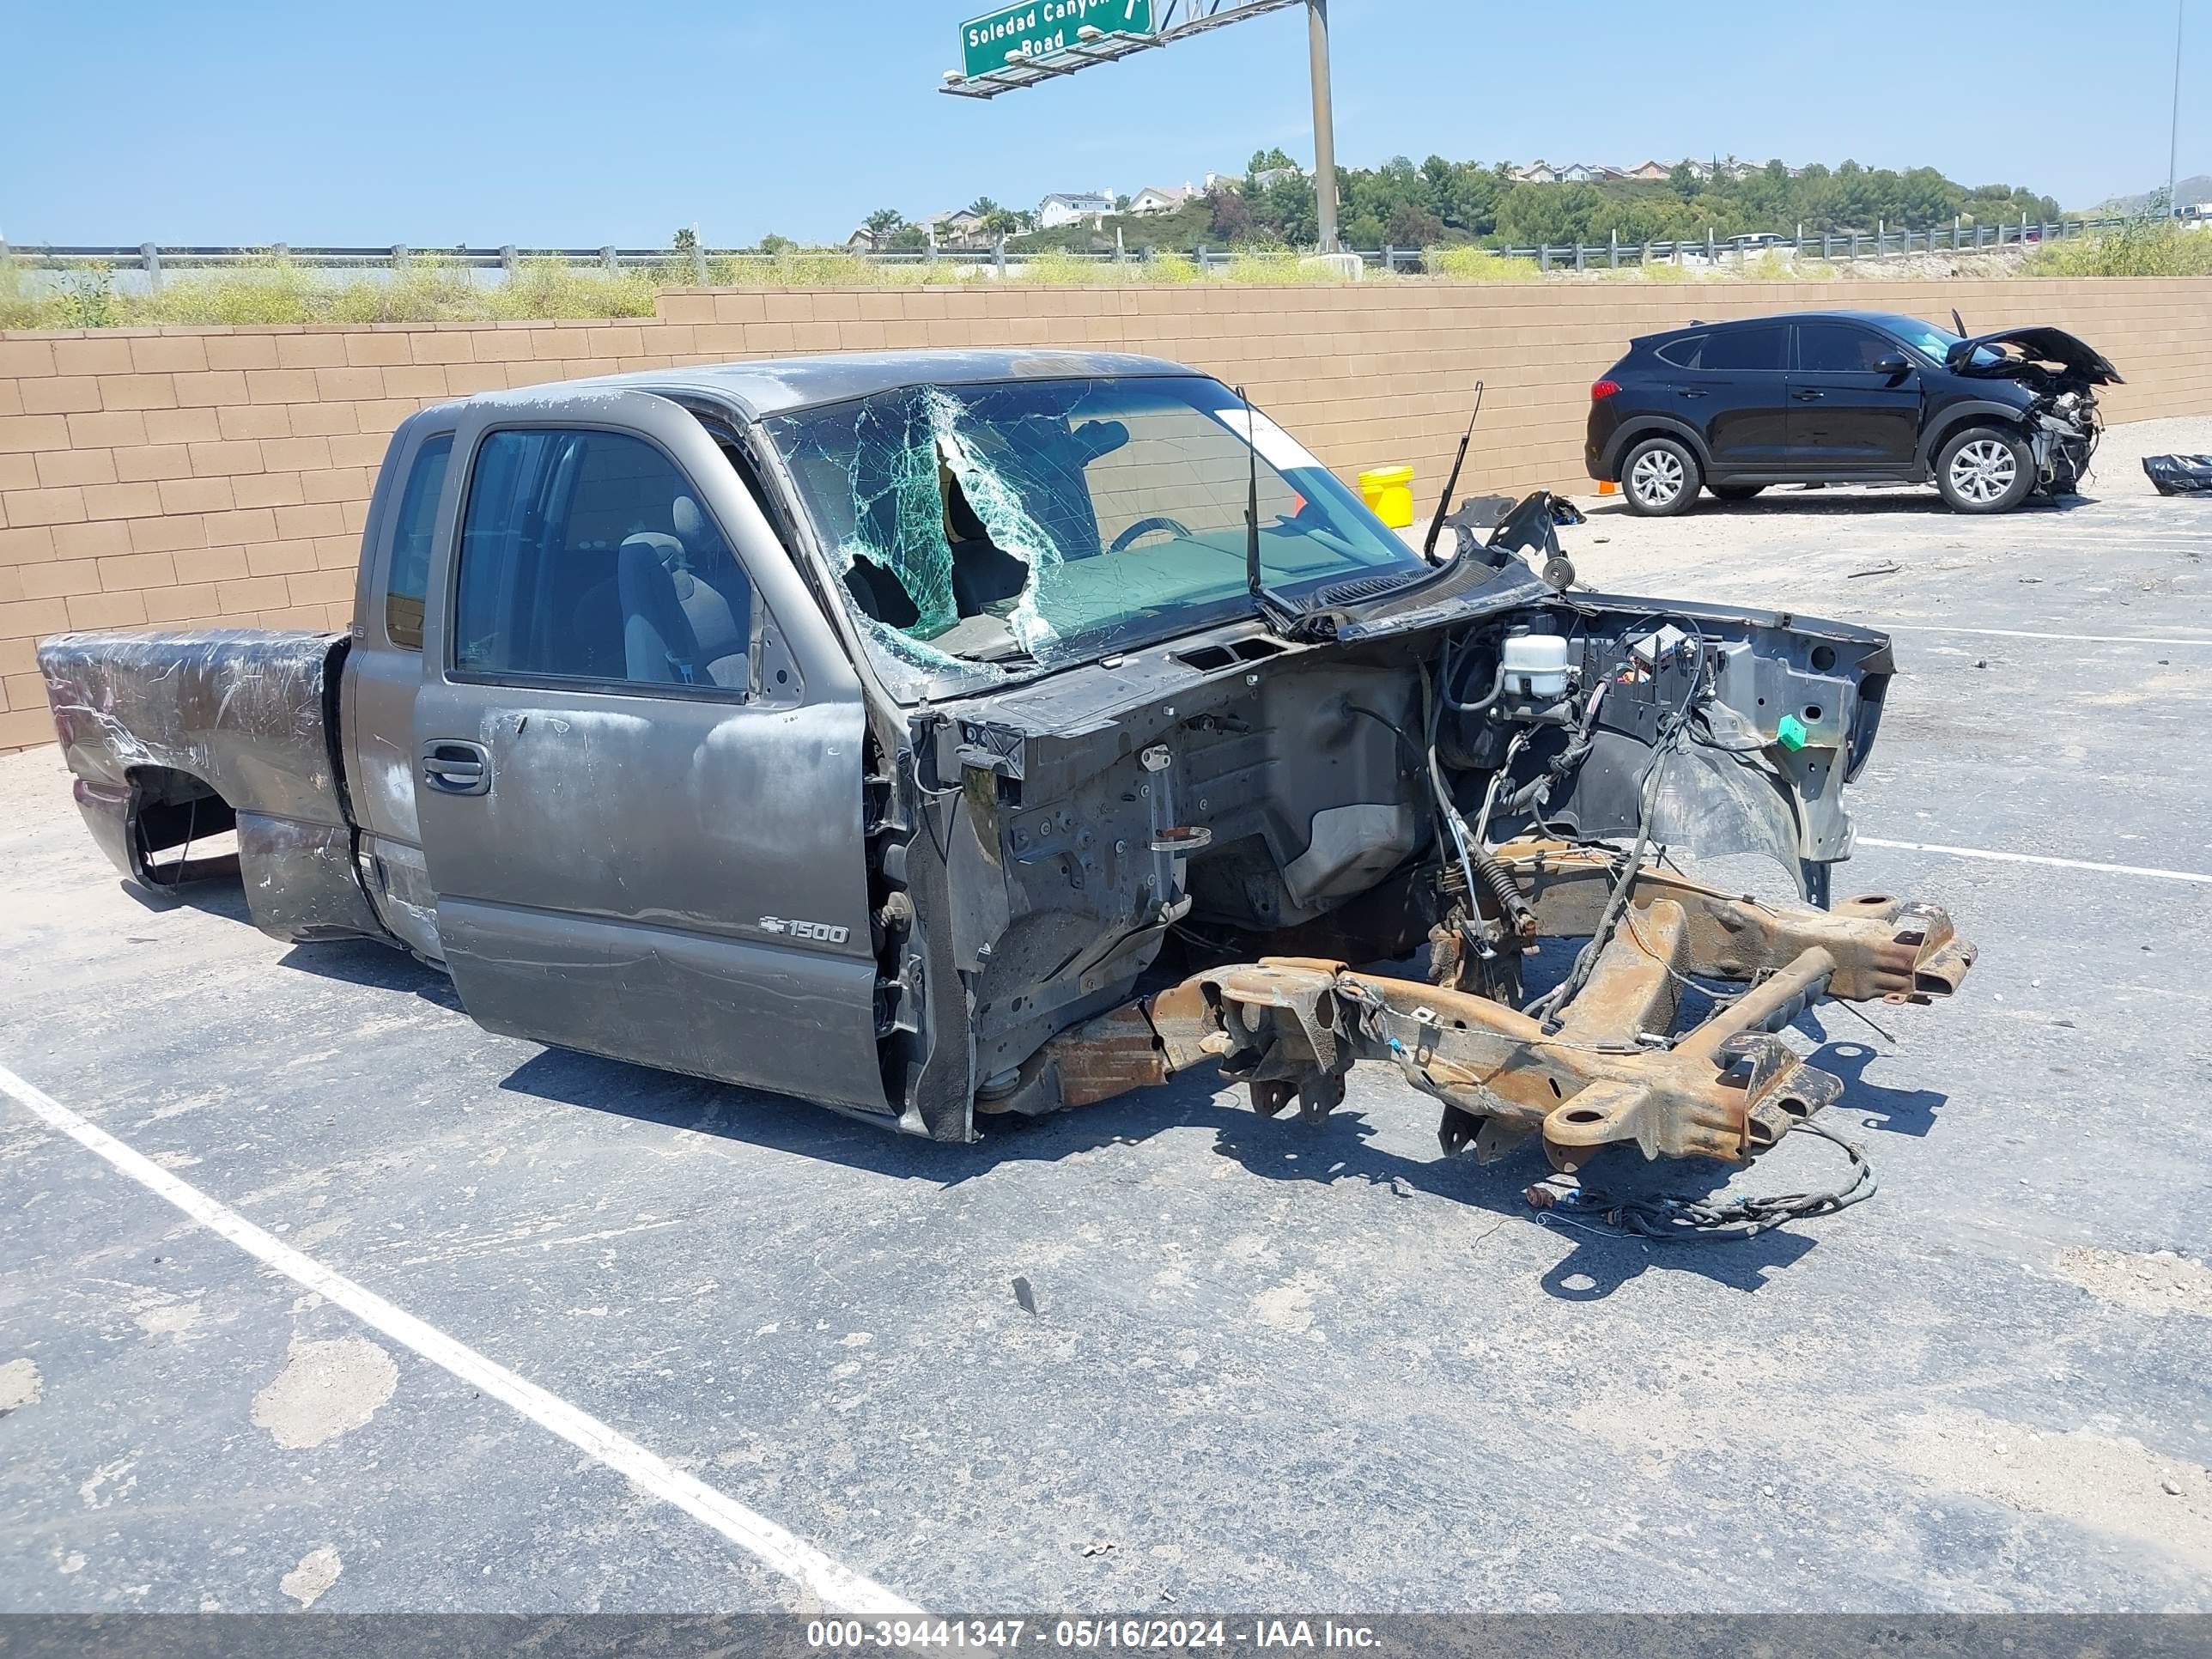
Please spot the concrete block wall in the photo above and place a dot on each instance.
(204, 475)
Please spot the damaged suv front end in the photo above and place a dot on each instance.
(1171, 733)
(2058, 373)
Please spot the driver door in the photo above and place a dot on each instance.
(1845, 411)
(638, 759)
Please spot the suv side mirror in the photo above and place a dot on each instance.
(1892, 365)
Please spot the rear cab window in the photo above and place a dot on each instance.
(410, 573)
(1683, 353)
(586, 555)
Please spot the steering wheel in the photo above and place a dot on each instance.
(1146, 526)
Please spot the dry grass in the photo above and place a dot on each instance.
(2148, 247)
(276, 290)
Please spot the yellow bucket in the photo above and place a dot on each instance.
(1389, 493)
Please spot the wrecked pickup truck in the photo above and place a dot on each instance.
(938, 735)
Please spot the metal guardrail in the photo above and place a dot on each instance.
(154, 261)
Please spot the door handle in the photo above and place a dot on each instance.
(1806, 394)
(455, 768)
(1684, 391)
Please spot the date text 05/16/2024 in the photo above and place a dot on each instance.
(1085, 1635)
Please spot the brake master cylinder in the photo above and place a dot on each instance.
(1534, 666)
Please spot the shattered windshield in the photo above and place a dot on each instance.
(1933, 343)
(990, 530)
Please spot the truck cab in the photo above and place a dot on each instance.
(934, 735)
(577, 632)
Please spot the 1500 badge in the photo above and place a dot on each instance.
(820, 931)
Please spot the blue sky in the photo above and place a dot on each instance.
(564, 124)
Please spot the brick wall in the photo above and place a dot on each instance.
(221, 475)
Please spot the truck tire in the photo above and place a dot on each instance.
(1659, 477)
(1984, 468)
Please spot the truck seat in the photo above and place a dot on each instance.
(675, 624)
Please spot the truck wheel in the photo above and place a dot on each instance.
(1659, 477)
(1985, 469)
(1735, 492)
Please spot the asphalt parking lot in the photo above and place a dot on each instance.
(1267, 1366)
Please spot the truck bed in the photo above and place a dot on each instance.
(177, 736)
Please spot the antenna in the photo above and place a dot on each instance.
(1251, 495)
(1451, 479)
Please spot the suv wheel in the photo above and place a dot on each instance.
(1985, 469)
(1659, 477)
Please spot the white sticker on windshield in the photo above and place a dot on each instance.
(1276, 446)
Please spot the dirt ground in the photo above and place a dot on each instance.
(1161, 1354)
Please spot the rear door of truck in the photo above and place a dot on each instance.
(637, 753)
(384, 670)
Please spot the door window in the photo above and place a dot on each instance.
(587, 555)
(1837, 348)
(1762, 346)
(409, 577)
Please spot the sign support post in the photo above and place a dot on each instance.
(1023, 44)
(1324, 124)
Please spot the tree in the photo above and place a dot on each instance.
(1470, 201)
(1285, 210)
(685, 241)
(983, 207)
(1228, 216)
(1412, 225)
(773, 243)
(883, 221)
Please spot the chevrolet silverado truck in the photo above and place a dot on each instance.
(939, 735)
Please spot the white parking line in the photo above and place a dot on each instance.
(2033, 858)
(2023, 634)
(837, 1586)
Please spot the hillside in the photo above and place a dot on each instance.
(1441, 203)
(2197, 187)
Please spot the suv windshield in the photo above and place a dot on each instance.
(987, 530)
(1932, 343)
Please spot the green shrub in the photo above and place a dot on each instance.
(1055, 267)
(1477, 264)
(2142, 247)
(1167, 266)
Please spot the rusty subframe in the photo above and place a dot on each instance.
(1608, 1070)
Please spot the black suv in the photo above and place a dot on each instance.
(1845, 397)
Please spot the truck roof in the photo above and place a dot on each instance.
(778, 384)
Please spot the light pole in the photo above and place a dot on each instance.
(1324, 125)
(2174, 129)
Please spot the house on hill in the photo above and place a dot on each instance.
(1160, 199)
(957, 229)
(1072, 208)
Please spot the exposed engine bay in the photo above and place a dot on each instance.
(1516, 804)
(2062, 371)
